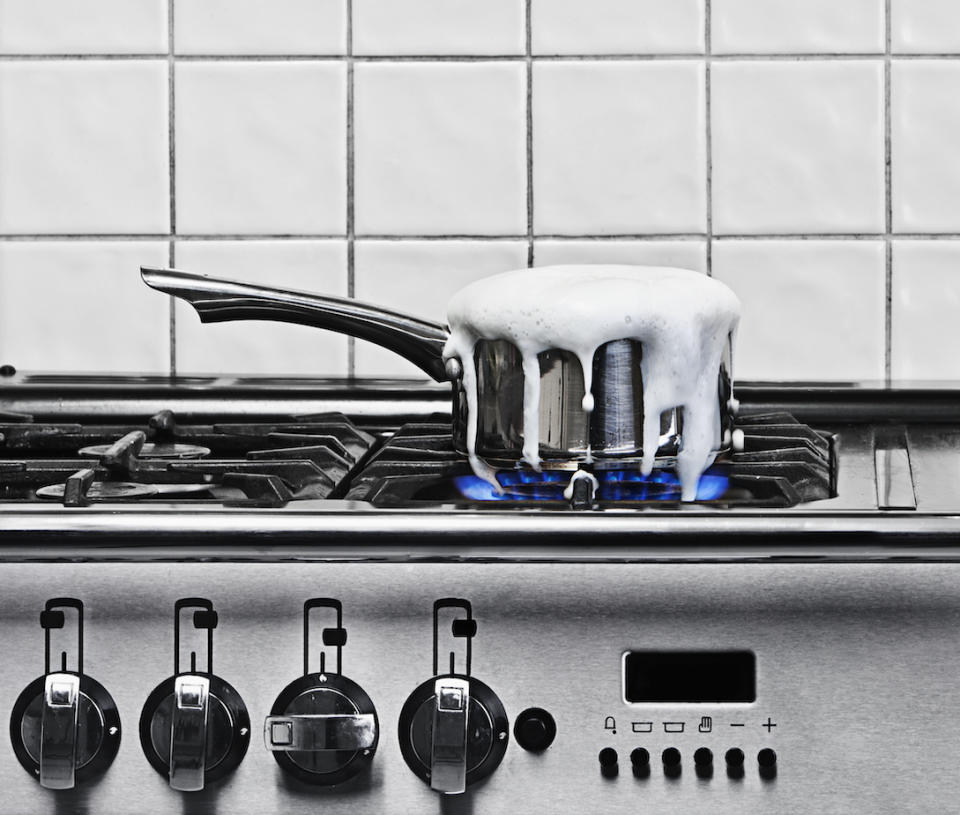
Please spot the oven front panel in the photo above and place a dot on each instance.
(856, 680)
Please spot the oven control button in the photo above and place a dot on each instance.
(767, 758)
(734, 757)
(64, 727)
(534, 729)
(609, 762)
(323, 728)
(194, 727)
(453, 728)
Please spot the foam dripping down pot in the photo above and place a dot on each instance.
(552, 322)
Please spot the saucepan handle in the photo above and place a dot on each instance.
(416, 340)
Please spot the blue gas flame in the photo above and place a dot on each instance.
(614, 485)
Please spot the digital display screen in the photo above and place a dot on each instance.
(690, 676)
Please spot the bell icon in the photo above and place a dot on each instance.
(610, 724)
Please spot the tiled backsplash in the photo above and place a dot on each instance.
(806, 152)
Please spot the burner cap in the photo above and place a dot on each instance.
(102, 491)
(151, 450)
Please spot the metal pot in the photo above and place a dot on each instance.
(567, 432)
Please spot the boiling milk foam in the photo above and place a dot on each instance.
(683, 320)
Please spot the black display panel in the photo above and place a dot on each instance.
(690, 676)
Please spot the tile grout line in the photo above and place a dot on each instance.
(351, 188)
(522, 237)
(528, 38)
(171, 136)
(888, 195)
(708, 107)
(743, 57)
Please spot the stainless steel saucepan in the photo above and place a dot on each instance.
(567, 432)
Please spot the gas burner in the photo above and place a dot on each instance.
(170, 450)
(265, 464)
(780, 463)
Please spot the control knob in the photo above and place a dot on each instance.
(64, 726)
(194, 727)
(323, 728)
(453, 728)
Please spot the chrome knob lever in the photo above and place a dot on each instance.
(448, 753)
(313, 733)
(58, 731)
(188, 732)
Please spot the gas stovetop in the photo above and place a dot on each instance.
(294, 457)
(727, 655)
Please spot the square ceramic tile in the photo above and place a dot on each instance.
(812, 310)
(925, 120)
(428, 27)
(83, 147)
(925, 26)
(680, 254)
(81, 306)
(88, 27)
(619, 148)
(926, 302)
(617, 26)
(261, 147)
(798, 27)
(798, 147)
(419, 278)
(260, 26)
(440, 148)
(261, 347)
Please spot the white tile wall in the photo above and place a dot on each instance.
(440, 148)
(252, 157)
(798, 147)
(263, 347)
(260, 27)
(798, 26)
(620, 147)
(805, 151)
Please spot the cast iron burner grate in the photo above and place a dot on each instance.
(781, 463)
(232, 464)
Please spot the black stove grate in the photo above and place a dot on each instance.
(781, 463)
(233, 464)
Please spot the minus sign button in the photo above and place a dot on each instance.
(737, 724)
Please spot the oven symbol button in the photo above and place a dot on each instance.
(641, 727)
(706, 724)
(673, 727)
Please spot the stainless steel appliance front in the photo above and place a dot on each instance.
(857, 670)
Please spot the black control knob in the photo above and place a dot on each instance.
(534, 729)
(640, 760)
(767, 758)
(703, 757)
(734, 757)
(64, 727)
(194, 727)
(453, 729)
(671, 758)
(323, 727)
(609, 762)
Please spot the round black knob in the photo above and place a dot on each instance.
(671, 757)
(188, 710)
(96, 738)
(640, 757)
(734, 757)
(609, 762)
(468, 710)
(323, 751)
(534, 729)
(703, 757)
(767, 758)
(7, 370)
